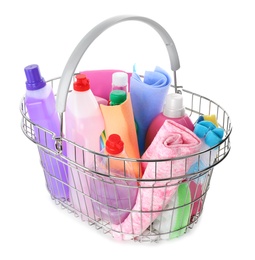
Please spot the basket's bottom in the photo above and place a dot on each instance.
(153, 233)
(163, 210)
(149, 235)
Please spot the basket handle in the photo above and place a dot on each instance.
(83, 45)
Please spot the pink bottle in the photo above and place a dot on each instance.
(84, 126)
(113, 198)
(174, 110)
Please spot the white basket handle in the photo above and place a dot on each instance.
(83, 45)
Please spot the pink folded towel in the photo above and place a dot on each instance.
(172, 140)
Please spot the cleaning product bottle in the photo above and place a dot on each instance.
(84, 125)
(120, 81)
(119, 119)
(174, 219)
(41, 108)
(173, 109)
(210, 136)
(115, 190)
(117, 97)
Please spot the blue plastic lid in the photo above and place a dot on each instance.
(34, 79)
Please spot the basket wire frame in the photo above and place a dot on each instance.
(196, 105)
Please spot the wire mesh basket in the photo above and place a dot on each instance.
(182, 197)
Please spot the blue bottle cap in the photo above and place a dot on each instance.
(34, 79)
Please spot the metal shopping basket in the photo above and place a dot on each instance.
(188, 198)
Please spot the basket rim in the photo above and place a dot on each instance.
(130, 159)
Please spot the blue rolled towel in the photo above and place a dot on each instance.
(147, 98)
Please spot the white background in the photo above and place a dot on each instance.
(215, 41)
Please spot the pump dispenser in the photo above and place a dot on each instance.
(173, 110)
(84, 125)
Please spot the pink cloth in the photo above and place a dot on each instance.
(172, 140)
(101, 81)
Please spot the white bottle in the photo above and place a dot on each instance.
(84, 125)
(120, 81)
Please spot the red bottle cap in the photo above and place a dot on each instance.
(114, 144)
(81, 83)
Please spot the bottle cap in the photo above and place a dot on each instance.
(81, 83)
(173, 107)
(34, 79)
(119, 79)
(117, 97)
(114, 144)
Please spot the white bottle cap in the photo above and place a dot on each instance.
(119, 79)
(173, 107)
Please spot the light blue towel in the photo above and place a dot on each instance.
(147, 98)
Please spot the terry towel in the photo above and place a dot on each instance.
(148, 97)
(172, 140)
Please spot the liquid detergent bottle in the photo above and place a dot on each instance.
(84, 126)
(117, 97)
(173, 220)
(113, 197)
(120, 81)
(210, 136)
(41, 108)
(174, 110)
(119, 119)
